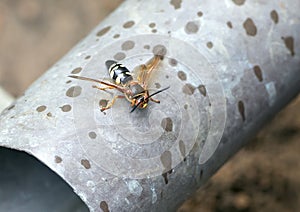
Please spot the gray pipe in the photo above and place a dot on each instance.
(230, 65)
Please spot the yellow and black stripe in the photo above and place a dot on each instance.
(118, 72)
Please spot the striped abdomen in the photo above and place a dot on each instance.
(118, 72)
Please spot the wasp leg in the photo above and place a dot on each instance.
(110, 104)
(102, 89)
(154, 100)
(108, 84)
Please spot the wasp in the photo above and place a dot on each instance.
(134, 88)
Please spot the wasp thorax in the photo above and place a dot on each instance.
(136, 89)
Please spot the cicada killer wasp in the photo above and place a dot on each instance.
(133, 88)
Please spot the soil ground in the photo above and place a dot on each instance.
(264, 176)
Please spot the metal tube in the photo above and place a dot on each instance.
(230, 65)
(5, 99)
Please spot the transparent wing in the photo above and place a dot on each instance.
(143, 72)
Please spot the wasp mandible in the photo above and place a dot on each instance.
(134, 90)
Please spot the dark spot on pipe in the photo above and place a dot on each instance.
(289, 43)
(103, 102)
(176, 4)
(250, 27)
(191, 27)
(173, 62)
(188, 89)
(154, 30)
(58, 159)
(87, 57)
(120, 56)
(76, 70)
(157, 85)
(86, 163)
(74, 91)
(239, 2)
(258, 73)
(103, 31)
(104, 206)
(92, 135)
(152, 25)
(201, 174)
(67, 82)
(41, 108)
(182, 148)
(49, 114)
(185, 106)
(202, 89)
(167, 124)
(128, 24)
(116, 36)
(166, 160)
(181, 75)
(229, 24)
(66, 108)
(11, 107)
(200, 14)
(241, 108)
(209, 44)
(159, 50)
(274, 16)
(127, 45)
(146, 47)
(165, 176)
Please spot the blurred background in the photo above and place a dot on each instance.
(264, 176)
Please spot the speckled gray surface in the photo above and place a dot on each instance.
(230, 65)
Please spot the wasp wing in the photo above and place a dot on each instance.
(144, 71)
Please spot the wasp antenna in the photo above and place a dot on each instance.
(136, 106)
(158, 92)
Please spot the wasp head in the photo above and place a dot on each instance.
(141, 100)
